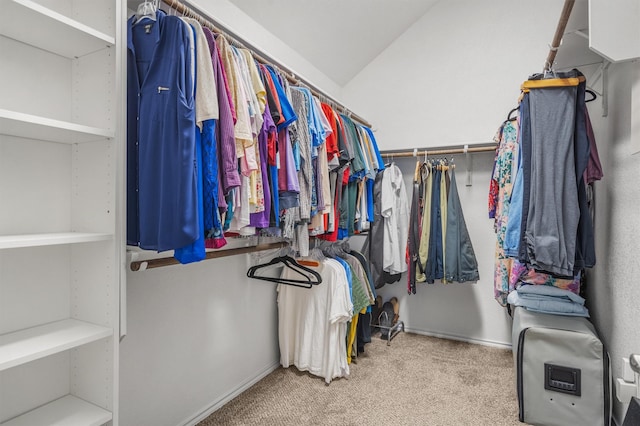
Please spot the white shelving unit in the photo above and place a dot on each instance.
(33, 127)
(23, 346)
(36, 240)
(56, 33)
(62, 155)
(66, 411)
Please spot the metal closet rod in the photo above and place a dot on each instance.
(557, 38)
(167, 261)
(443, 151)
(260, 56)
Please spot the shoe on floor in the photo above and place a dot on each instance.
(396, 309)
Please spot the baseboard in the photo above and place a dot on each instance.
(491, 343)
(206, 411)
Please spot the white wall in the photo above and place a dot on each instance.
(463, 311)
(453, 76)
(613, 293)
(196, 334)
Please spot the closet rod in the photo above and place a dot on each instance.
(400, 154)
(260, 56)
(167, 261)
(557, 38)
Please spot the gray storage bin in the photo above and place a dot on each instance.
(562, 370)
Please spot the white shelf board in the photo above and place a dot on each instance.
(41, 128)
(34, 24)
(36, 240)
(33, 343)
(66, 411)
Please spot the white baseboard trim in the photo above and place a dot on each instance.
(216, 405)
(491, 343)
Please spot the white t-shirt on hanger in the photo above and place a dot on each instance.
(312, 322)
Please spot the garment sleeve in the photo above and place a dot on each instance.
(187, 61)
(256, 80)
(387, 201)
(225, 139)
(341, 308)
(206, 96)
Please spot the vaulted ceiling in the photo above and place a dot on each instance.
(339, 37)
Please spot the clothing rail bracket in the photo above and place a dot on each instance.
(469, 164)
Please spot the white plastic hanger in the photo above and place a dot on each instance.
(146, 10)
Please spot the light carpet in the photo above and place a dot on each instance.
(418, 380)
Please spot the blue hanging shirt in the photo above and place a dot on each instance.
(196, 251)
(285, 105)
(374, 145)
(162, 201)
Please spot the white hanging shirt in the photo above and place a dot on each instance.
(206, 101)
(312, 323)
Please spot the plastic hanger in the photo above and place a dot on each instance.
(593, 95)
(390, 163)
(336, 249)
(309, 276)
(146, 10)
(305, 282)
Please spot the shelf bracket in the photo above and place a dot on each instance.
(603, 75)
(584, 33)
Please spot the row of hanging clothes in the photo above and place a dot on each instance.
(545, 165)
(220, 145)
(438, 245)
(324, 307)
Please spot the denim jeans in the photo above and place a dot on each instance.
(460, 260)
(434, 269)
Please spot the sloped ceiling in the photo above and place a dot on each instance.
(339, 37)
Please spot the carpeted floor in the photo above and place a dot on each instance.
(418, 380)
